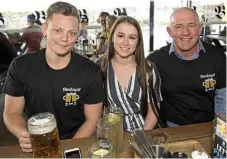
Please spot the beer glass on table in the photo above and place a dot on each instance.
(102, 148)
(158, 137)
(92, 49)
(89, 54)
(111, 127)
(44, 136)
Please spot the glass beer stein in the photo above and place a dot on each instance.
(111, 127)
(44, 136)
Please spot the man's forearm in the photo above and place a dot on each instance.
(86, 130)
(15, 123)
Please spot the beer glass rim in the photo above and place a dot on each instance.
(119, 110)
(47, 113)
(89, 52)
(108, 126)
(163, 135)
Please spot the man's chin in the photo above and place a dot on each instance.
(187, 47)
(63, 54)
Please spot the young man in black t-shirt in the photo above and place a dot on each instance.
(55, 80)
(193, 73)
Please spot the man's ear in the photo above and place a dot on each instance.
(44, 29)
(169, 31)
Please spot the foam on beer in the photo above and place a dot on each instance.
(41, 126)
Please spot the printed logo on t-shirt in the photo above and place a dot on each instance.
(209, 82)
(71, 96)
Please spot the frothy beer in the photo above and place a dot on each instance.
(44, 136)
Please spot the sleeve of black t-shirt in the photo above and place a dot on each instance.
(94, 92)
(157, 84)
(14, 84)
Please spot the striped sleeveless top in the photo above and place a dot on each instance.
(129, 99)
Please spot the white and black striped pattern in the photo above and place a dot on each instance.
(129, 100)
(123, 11)
(117, 12)
(120, 11)
(39, 15)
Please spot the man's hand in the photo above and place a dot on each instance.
(25, 142)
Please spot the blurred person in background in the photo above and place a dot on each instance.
(102, 21)
(101, 36)
(32, 35)
(103, 42)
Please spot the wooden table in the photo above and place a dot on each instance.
(201, 132)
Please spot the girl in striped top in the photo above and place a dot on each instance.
(130, 82)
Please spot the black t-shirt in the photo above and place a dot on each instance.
(61, 92)
(188, 87)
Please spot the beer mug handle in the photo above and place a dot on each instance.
(67, 94)
(204, 83)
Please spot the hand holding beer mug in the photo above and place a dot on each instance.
(25, 142)
(44, 136)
